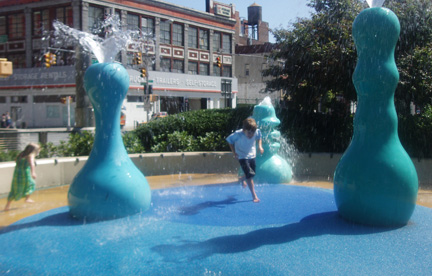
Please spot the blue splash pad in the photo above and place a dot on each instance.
(217, 230)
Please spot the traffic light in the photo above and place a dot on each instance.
(47, 60)
(218, 62)
(143, 72)
(138, 58)
(6, 68)
(53, 59)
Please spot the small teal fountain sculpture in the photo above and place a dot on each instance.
(270, 167)
(375, 182)
(109, 185)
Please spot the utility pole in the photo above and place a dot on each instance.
(143, 60)
(83, 108)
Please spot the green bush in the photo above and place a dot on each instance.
(206, 130)
(212, 141)
(415, 133)
(316, 132)
(8, 155)
(48, 150)
(132, 143)
(79, 144)
(175, 142)
(200, 129)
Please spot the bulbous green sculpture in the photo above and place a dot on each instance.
(271, 167)
(375, 182)
(109, 185)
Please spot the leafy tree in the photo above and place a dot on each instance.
(316, 57)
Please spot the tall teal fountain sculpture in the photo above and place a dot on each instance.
(109, 185)
(375, 182)
(270, 167)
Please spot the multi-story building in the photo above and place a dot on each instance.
(189, 58)
(251, 60)
(252, 48)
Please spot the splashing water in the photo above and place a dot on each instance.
(104, 49)
(375, 3)
(266, 101)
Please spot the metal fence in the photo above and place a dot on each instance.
(18, 139)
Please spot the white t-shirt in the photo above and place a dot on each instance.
(243, 146)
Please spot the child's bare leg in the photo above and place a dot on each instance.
(28, 200)
(7, 207)
(243, 181)
(251, 185)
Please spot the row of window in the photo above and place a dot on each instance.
(173, 34)
(14, 25)
(36, 99)
(194, 68)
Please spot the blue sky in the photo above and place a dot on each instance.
(276, 13)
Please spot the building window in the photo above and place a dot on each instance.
(50, 98)
(165, 65)
(247, 67)
(192, 68)
(2, 99)
(2, 25)
(16, 25)
(204, 69)
(18, 60)
(178, 35)
(193, 37)
(147, 26)
(135, 99)
(165, 32)
(178, 66)
(132, 22)
(65, 15)
(52, 111)
(203, 39)
(19, 99)
(216, 42)
(226, 71)
(40, 22)
(216, 70)
(95, 19)
(226, 43)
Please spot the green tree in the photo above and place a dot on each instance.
(316, 57)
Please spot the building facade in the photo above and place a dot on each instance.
(251, 51)
(251, 60)
(188, 55)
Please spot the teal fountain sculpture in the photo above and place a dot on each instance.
(375, 182)
(109, 185)
(270, 167)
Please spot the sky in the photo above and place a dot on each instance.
(278, 14)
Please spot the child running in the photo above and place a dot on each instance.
(243, 145)
(23, 181)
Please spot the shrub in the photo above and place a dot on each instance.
(132, 143)
(8, 155)
(79, 144)
(201, 125)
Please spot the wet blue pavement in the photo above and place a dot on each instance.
(218, 230)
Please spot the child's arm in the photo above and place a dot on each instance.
(233, 151)
(31, 161)
(260, 146)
